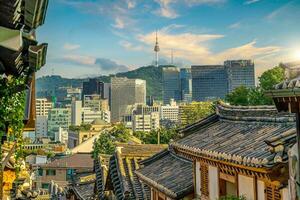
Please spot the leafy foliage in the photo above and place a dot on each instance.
(11, 113)
(271, 77)
(166, 135)
(198, 110)
(233, 198)
(106, 142)
(82, 127)
(255, 96)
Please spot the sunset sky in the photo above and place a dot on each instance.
(95, 37)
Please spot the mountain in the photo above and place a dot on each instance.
(47, 85)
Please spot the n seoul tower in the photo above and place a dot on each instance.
(156, 49)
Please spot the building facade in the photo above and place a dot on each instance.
(171, 84)
(239, 72)
(186, 84)
(96, 102)
(170, 111)
(93, 86)
(209, 82)
(125, 92)
(237, 152)
(42, 107)
(58, 118)
(145, 122)
(41, 126)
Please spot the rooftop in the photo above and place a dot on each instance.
(75, 161)
(122, 166)
(241, 135)
(158, 172)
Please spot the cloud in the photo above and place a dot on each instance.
(119, 11)
(71, 47)
(251, 2)
(165, 9)
(235, 25)
(119, 23)
(201, 2)
(129, 46)
(195, 48)
(105, 65)
(130, 4)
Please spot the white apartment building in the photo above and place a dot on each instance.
(145, 122)
(170, 111)
(42, 107)
(61, 136)
(87, 115)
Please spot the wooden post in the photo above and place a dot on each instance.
(158, 136)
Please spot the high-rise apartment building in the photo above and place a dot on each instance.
(42, 107)
(186, 84)
(58, 118)
(239, 72)
(171, 84)
(125, 92)
(209, 82)
(93, 86)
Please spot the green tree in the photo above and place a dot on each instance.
(166, 135)
(106, 142)
(271, 77)
(239, 96)
(198, 110)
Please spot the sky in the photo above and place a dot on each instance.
(89, 38)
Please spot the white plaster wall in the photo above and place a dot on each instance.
(246, 187)
(285, 194)
(198, 178)
(260, 190)
(213, 183)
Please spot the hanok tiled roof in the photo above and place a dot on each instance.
(287, 88)
(123, 163)
(75, 161)
(84, 185)
(101, 166)
(240, 135)
(169, 173)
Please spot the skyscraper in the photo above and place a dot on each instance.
(93, 86)
(209, 82)
(239, 72)
(171, 84)
(125, 92)
(186, 84)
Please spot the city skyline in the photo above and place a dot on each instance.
(103, 38)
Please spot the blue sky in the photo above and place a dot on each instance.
(96, 37)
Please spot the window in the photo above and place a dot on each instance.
(50, 172)
(40, 172)
(204, 180)
(228, 186)
(45, 185)
(70, 173)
